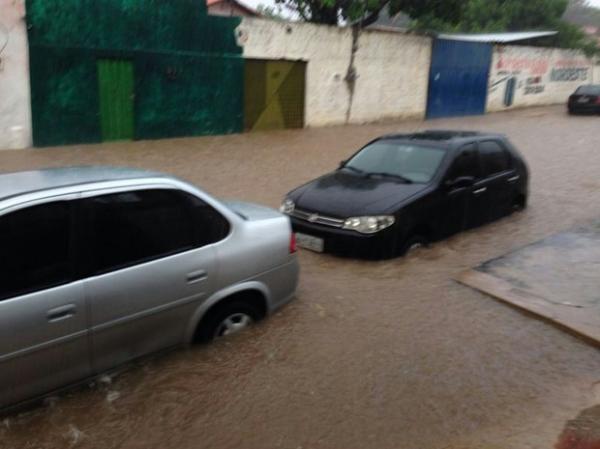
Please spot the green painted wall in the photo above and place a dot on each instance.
(188, 69)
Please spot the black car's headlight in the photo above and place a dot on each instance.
(370, 224)
(287, 207)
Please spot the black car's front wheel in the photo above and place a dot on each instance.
(413, 243)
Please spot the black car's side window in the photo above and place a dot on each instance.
(466, 164)
(494, 158)
(35, 248)
(138, 226)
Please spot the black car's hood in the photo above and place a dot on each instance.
(345, 194)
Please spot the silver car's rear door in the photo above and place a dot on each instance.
(147, 275)
(145, 308)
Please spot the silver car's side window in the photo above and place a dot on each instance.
(127, 228)
(36, 247)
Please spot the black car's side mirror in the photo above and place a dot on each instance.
(342, 163)
(460, 183)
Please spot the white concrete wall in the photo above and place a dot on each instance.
(392, 68)
(393, 75)
(543, 75)
(596, 75)
(15, 104)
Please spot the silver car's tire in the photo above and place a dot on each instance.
(226, 320)
(232, 324)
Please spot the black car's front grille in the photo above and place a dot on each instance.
(313, 217)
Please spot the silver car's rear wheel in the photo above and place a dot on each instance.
(226, 319)
(232, 324)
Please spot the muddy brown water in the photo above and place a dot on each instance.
(390, 354)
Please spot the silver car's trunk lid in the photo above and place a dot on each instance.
(251, 211)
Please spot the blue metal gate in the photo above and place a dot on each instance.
(458, 78)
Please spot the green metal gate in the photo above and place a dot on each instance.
(115, 78)
(274, 94)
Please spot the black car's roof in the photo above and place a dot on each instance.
(442, 138)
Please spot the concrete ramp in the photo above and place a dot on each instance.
(557, 278)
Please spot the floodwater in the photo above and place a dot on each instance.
(390, 354)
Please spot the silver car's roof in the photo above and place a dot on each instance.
(19, 183)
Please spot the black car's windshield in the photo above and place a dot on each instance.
(588, 90)
(414, 163)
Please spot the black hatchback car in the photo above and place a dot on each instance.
(405, 190)
(585, 99)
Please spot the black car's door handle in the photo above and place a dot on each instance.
(479, 191)
(513, 178)
(196, 276)
(61, 313)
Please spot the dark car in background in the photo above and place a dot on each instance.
(585, 99)
(406, 190)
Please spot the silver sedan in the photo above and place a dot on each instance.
(103, 265)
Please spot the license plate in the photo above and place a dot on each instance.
(583, 100)
(309, 242)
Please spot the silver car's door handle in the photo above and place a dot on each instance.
(61, 313)
(478, 191)
(196, 276)
(513, 178)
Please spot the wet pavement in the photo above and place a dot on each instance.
(557, 278)
(390, 354)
